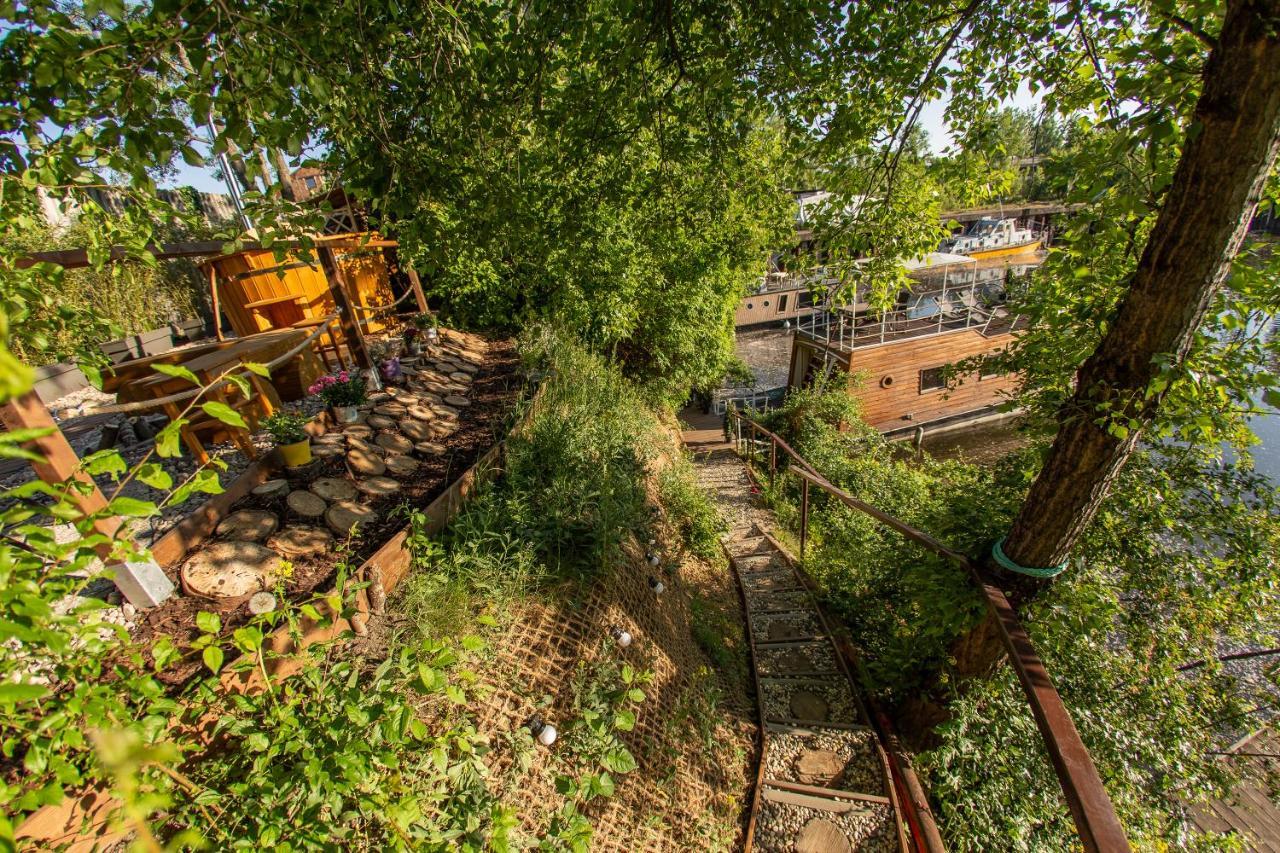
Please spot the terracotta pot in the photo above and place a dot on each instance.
(345, 414)
(298, 453)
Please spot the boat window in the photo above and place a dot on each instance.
(804, 299)
(931, 379)
(782, 303)
(750, 305)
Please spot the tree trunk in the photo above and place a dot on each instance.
(1230, 150)
(284, 175)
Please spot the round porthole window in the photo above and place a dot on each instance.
(750, 305)
(766, 303)
(886, 381)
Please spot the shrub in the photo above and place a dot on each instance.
(696, 518)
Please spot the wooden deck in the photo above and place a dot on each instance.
(1250, 810)
(702, 432)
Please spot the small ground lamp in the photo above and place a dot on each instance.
(543, 732)
(622, 637)
(657, 586)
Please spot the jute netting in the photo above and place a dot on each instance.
(694, 758)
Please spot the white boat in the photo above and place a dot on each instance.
(991, 238)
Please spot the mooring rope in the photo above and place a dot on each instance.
(381, 308)
(1002, 560)
(140, 405)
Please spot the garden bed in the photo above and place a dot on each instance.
(420, 475)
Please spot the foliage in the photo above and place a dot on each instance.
(286, 427)
(344, 388)
(695, 516)
(1178, 563)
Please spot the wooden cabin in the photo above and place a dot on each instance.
(895, 360)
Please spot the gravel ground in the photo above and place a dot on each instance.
(759, 583)
(772, 627)
(864, 827)
(809, 700)
(773, 602)
(792, 757)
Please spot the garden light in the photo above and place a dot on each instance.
(544, 732)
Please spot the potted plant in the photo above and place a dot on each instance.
(289, 431)
(342, 392)
(412, 336)
(427, 326)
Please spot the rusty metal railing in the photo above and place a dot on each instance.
(1091, 808)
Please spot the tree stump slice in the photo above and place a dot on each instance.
(326, 452)
(306, 504)
(416, 430)
(807, 705)
(421, 412)
(457, 401)
(378, 487)
(402, 466)
(272, 490)
(347, 517)
(391, 410)
(334, 438)
(248, 525)
(332, 489)
(394, 442)
(820, 835)
(378, 397)
(443, 429)
(303, 474)
(358, 430)
(406, 398)
(301, 541)
(430, 448)
(443, 411)
(230, 570)
(382, 422)
(820, 767)
(365, 462)
(459, 376)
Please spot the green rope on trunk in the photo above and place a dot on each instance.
(1002, 560)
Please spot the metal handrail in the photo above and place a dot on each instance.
(1091, 807)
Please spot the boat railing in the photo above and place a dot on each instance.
(758, 401)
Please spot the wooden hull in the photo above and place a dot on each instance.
(1005, 251)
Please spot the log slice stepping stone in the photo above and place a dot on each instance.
(379, 397)
(444, 429)
(780, 630)
(301, 540)
(306, 504)
(807, 705)
(297, 474)
(820, 835)
(248, 525)
(365, 462)
(332, 489)
(402, 466)
(417, 430)
(347, 517)
(422, 413)
(327, 451)
(358, 430)
(382, 422)
(467, 367)
(443, 411)
(336, 438)
(272, 489)
(391, 410)
(394, 442)
(230, 570)
(430, 448)
(378, 487)
(459, 376)
(820, 767)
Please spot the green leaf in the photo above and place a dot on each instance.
(104, 462)
(131, 507)
(208, 622)
(11, 694)
(260, 369)
(169, 439)
(624, 721)
(619, 760)
(212, 656)
(154, 476)
(224, 413)
(177, 371)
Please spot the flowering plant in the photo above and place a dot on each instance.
(345, 388)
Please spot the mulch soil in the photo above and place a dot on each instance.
(481, 425)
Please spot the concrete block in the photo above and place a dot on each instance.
(144, 584)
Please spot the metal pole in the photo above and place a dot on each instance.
(773, 460)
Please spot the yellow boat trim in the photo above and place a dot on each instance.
(1006, 250)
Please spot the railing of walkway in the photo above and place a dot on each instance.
(1091, 808)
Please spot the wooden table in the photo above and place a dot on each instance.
(209, 366)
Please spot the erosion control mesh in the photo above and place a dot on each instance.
(688, 788)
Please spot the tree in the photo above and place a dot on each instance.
(1230, 153)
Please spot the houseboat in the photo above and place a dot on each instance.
(895, 360)
(994, 238)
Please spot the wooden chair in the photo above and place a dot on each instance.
(328, 344)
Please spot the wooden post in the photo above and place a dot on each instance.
(804, 514)
(213, 295)
(61, 462)
(773, 460)
(346, 310)
(418, 292)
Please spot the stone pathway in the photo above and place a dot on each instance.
(356, 468)
(825, 785)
